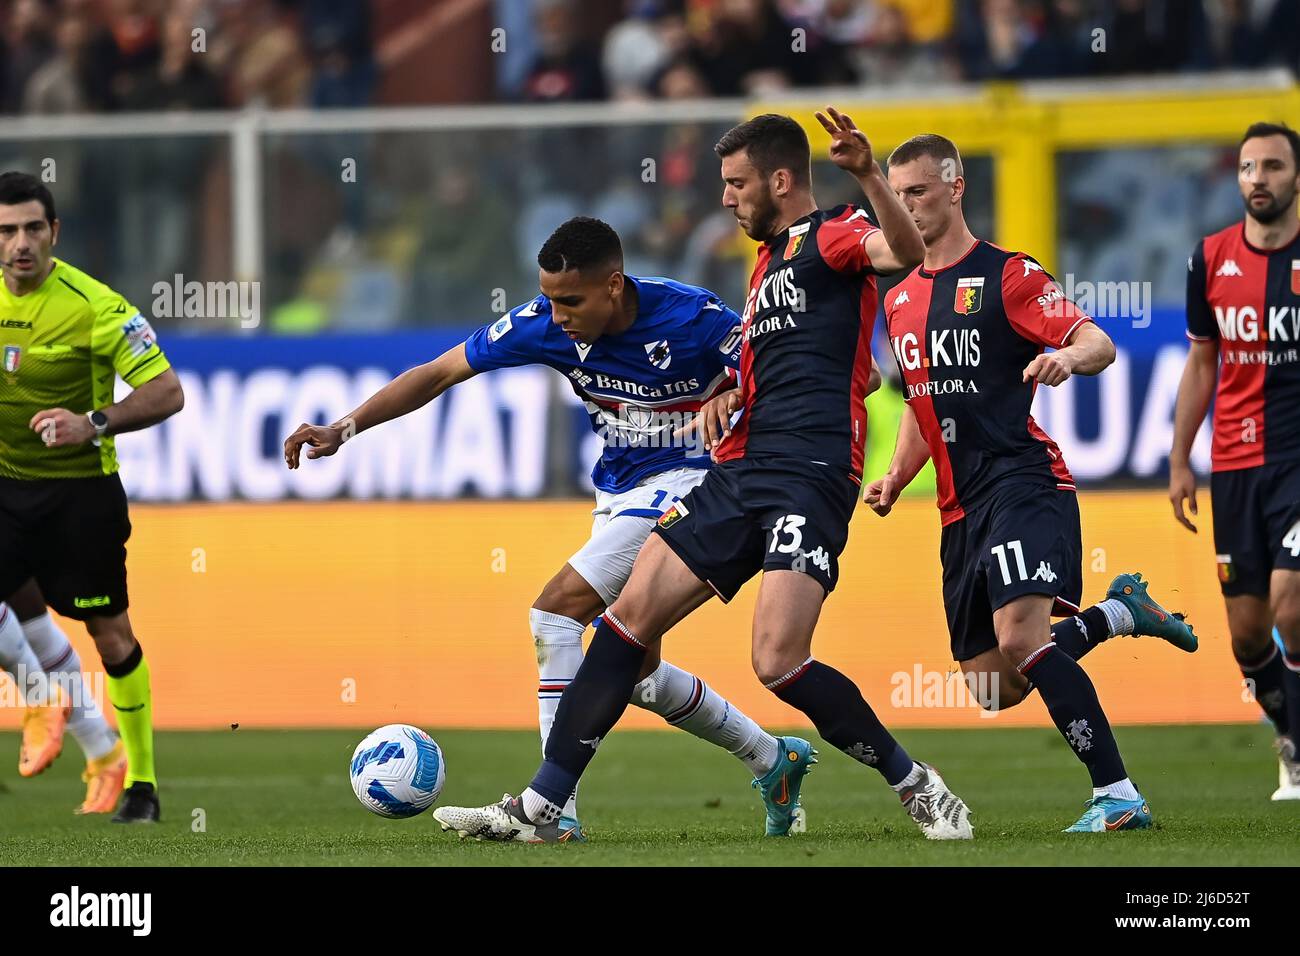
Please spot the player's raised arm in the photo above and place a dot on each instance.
(413, 389)
(898, 244)
(910, 455)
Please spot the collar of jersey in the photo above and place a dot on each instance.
(1265, 252)
(927, 274)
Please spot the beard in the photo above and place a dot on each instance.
(1273, 211)
(763, 220)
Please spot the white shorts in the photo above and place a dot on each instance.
(622, 523)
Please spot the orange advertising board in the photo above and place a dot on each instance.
(360, 614)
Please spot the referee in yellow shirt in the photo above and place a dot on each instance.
(64, 338)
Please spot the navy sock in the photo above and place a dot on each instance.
(1268, 683)
(1079, 634)
(844, 719)
(589, 709)
(1072, 702)
(1292, 678)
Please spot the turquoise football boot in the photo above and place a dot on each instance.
(571, 831)
(1149, 618)
(780, 786)
(1111, 813)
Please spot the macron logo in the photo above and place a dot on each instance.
(73, 909)
(1229, 268)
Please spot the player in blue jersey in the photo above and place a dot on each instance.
(643, 355)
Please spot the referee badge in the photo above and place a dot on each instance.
(13, 355)
(970, 291)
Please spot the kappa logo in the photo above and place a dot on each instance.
(863, 754)
(902, 297)
(820, 558)
(1044, 573)
(1229, 268)
(1031, 266)
(593, 743)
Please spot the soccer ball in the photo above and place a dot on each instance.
(397, 771)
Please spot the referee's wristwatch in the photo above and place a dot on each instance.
(98, 421)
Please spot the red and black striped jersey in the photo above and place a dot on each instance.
(1247, 300)
(962, 336)
(806, 353)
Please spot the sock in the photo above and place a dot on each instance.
(18, 658)
(61, 662)
(1268, 677)
(1073, 705)
(844, 719)
(1077, 635)
(128, 691)
(538, 808)
(687, 702)
(590, 707)
(1292, 684)
(558, 642)
(1118, 616)
(913, 777)
(1123, 790)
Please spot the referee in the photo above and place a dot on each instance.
(64, 338)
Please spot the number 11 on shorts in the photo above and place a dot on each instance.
(1000, 552)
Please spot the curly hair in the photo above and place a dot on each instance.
(581, 243)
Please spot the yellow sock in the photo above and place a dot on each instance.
(129, 694)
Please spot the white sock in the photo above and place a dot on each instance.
(86, 723)
(537, 808)
(910, 780)
(18, 658)
(687, 702)
(1123, 790)
(558, 642)
(1119, 617)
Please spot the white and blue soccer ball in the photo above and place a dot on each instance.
(398, 771)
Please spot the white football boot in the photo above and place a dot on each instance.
(504, 821)
(1288, 771)
(938, 811)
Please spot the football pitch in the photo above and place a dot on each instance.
(259, 797)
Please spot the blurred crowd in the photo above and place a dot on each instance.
(65, 56)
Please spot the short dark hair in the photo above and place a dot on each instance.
(581, 243)
(17, 188)
(927, 144)
(1258, 130)
(772, 142)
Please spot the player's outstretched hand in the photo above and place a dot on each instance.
(881, 495)
(1182, 487)
(59, 427)
(1050, 368)
(713, 421)
(850, 148)
(324, 440)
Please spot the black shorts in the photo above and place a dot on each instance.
(769, 514)
(1023, 539)
(1256, 525)
(70, 535)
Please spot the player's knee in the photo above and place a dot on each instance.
(1250, 644)
(772, 662)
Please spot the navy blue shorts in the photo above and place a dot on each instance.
(769, 514)
(1023, 539)
(1256, 525)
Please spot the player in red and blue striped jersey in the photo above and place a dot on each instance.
(968, 330)
(642, 354)
(1243, 320)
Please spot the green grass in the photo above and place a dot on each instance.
(652, 798)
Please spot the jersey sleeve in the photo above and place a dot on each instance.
(842, 242)
(512, 340)
(1036, 305)
(124, 337)
(1201, 326)
(723, 330)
